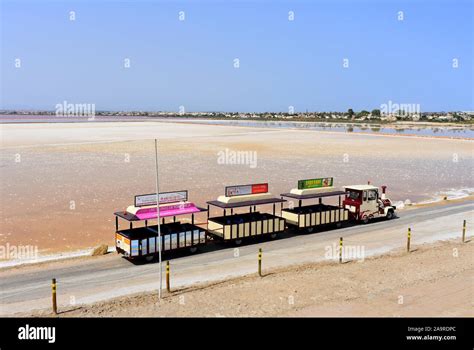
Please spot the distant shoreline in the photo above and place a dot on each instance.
(443, 130)
(138, 118)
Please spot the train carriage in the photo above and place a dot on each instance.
(239, 226)
(140, 240)
(313, 216)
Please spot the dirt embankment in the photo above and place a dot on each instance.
(432, 280)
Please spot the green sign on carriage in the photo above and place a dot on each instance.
(315, 183)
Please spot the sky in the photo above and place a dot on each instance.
(248, 56)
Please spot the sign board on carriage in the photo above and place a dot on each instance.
(315, 183)
(164, 197)
(231, 191)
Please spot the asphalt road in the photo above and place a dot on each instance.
(23, 289)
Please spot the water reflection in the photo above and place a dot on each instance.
(421, 130)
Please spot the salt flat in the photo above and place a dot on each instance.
(61, 183)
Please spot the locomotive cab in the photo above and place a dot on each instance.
(364, 203)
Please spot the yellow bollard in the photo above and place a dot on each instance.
(340, 250)
(53, 295)
(260, 262)
(464, 231)
(168, 288)
(408, 240)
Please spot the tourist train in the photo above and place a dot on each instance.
(298, 211)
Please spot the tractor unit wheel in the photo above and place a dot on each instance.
(390, 215)
(365, 220)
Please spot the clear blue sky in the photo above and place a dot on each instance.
(282, 63)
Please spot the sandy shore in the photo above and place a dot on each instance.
(433, 280)
(61, 183)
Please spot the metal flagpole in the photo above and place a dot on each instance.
(158, 216)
